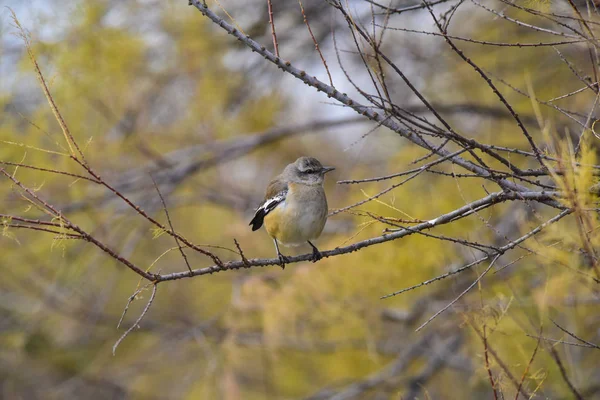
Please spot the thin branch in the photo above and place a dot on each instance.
(475, 282)
(37, 228)
(480, 260)
(590, 344)
(502, 364)
(137, 321)
(390, 10)
(70, 225)
(241, 253)
(517, 22)
(75, 151)
(54, 171)
(426, 166)
(139, 210)
(314, 41)
(489, 82)
(129, 301)
(486, 42)
(272, 22)
(487, 363)
(537, 345)
(562, 342)
(164, 204)
(563, 373)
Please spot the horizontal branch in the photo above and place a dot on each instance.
(458, 213)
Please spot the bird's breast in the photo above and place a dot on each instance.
(300, 217)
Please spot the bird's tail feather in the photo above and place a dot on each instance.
(258, 219)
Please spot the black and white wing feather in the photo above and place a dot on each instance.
(268, 206)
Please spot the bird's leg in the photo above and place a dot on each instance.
(282, 259)
(316, 255)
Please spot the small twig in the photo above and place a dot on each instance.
(375, 196)
(501, 364)
(54, 171)
(487, 363)
(390, 10)
(314, 41)
(390, 221)
(37, 228)
(129, 301)
(140, 211)
(272, 22)
(563, 373)
(578, 74)
(74, 149)
(489, 82)
(244, 259)
(527, 368)
(423, 325)
(561, 342)
(70, 225)
(502, 249)
(486, 42)
(426, 166)
(164, 204)
(534, 27)
(574, 336)
(30, 221)
(137, 322)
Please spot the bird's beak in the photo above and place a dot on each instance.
(327, 169)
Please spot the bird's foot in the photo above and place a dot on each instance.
(316, 255)
(282, 260)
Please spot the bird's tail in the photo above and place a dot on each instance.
(258, 219)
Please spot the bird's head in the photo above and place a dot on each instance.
(307, 171)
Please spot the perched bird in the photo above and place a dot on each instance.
(295, 206)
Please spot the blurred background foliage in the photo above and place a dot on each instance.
(152, 89)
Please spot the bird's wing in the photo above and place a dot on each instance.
(276, 193)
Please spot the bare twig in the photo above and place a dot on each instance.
(502, 249)
(424, 324)
(244, 259)
(589, 344)
(502, 365)
(273, 33)
(537, 345)
(489, 82)
(164, 204)
(129, 301)
(314, 41)
(487, 363)
(137, 321)
(563, 373)
(562, 342)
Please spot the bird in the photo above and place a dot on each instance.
(295, 207)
